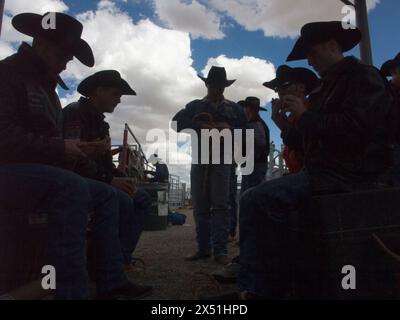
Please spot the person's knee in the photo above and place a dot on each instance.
(71, 183)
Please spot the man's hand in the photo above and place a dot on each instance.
(277, 115)
(127, 185)
(294, 105)
(97, 148)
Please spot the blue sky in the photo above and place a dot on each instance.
(160, 45)
(384, 27)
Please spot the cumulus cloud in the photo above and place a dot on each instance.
(281, 18)
(192, 17)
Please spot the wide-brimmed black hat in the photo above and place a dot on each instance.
(106, 78)
(217, 76)
(286, 74)
(389, 65)
(67, 32)
(317, 32)
(253, 102)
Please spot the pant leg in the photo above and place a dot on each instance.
(233, 202)
(65, 197)
(264, 243)
(220, 187)
(132, 213)
(201, 208)
(105, 229)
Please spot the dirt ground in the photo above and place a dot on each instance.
(171, 276)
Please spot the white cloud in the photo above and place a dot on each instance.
(157, 62)
(281, 18)
(192, 17)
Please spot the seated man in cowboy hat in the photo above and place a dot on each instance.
(34, 153)
(391, 68)
(210, 182)
(162, 173)
(348, 132)
(298, 82)
(252, 110)
(102, 93)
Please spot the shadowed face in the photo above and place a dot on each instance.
(322, 56)
(294, 88)
(215, 93)
(55, 56)
(107, 98)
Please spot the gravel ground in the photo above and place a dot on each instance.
(171, 276)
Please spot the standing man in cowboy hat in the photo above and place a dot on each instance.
(34, 153)
(298, 82)
(252, 110)
(210, 182)
(348, 132)
(392, 68)
(101, 93)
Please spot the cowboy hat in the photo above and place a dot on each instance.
(105, 78)
(390, 65)
(67, 33)
(286, 74)
(318, 32)
(253, 102)
(217, 76)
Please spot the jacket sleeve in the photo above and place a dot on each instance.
(184, 118)
(366, 96)
(15, 139)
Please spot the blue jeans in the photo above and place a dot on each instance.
(67, 198)
(255, 178)
(132, 213)
(211, 206)
(233, 202)
(264, 243)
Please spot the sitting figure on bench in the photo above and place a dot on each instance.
(84, 120)
(34, 154)
(348, 133)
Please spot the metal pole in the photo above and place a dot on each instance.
(1, 13)
(362, 24)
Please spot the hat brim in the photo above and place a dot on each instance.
(271, 84)
(88, 85)
(347, 39)
(30, 25)
(302, 75)
(225, 84)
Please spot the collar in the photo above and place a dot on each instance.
(30, 63)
